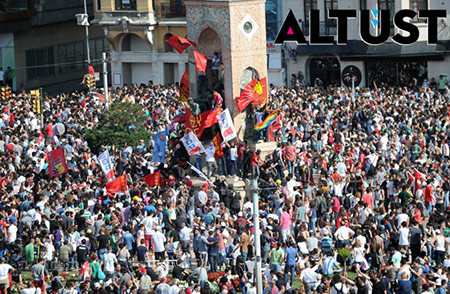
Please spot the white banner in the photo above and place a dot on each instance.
(226, 126)
(106, 163)
(201, 174)
(192, 144)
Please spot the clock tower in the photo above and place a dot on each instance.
(234, 30)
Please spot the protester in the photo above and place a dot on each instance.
(356, 193)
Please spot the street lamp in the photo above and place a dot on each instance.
(257, 236)
(83, 20)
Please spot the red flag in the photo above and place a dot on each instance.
(180, 44)
(154, 179)
(91, 70)
(200, 61)
(40, 138)
(217, 141)
(246, 96)
(184, 87)
(274, 127)
(410, 177)
(418, 179)
(117, 185)
(260, 93)
(198, 123)
(56, 162)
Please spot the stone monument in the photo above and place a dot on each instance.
(235, 30)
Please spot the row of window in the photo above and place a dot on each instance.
(61, 59)
(415, 5)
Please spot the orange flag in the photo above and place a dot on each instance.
(217, 141)
(200, 61)
(117, 185)
(260, 93)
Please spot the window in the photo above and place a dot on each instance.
(99, 5)
(125, 4)
(97, 47)
(71, 57)
(167, 47)
(417, 5)
(388, 5)
(309, 5)
(37, 61)
(362, 4)
(272, 19)
(330, 5)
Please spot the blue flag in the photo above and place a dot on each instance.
(159, 153)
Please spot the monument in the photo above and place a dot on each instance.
(235, 32)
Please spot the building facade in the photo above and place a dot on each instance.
(137, 30)
(388, 63)
(41, 42)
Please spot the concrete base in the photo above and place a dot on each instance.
(266, 148)
(240, 186)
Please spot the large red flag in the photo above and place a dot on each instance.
(184, 87)
(246, 96)
(200, 61)
(198, 123)
(154, 179)
(180, 44)
(56, 162)
(260, 93)
(117, 185)
(217, 141)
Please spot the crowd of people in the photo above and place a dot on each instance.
(354, 199)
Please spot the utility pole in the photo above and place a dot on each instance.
(41, 106)
(105, 79)
(86, 25)
(257, 236)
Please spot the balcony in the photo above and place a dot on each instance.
(175, 9)
(327, 28)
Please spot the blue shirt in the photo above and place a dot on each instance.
(291, 256)
(128, 239)
(212, 249)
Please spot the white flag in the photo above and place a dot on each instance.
(192, 144)
(226, 125)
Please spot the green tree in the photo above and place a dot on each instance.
(121, 123)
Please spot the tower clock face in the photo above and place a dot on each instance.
(248, 26)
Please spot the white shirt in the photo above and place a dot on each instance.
(402, 217)
(149, 223)
(50, 249)
(309, 275)
(109, 260)
(31, 291)
(158, 240)
(12, 233)
(4, 269)
(343, 233)
(210, 151)
(185, 234)
(403, 239)
(233, 153)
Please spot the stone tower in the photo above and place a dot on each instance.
(237, 30)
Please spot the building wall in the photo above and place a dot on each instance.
(436, 68)
(7, 51)
(51, 35)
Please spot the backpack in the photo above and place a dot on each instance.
(339, 291)
(347, 203)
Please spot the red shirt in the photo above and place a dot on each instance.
(49, 130)
(255, 158)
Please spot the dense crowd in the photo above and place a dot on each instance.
(353, 199)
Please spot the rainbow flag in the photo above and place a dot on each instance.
(265, 123)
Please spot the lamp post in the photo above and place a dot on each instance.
(83, 20)
(257, 236)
